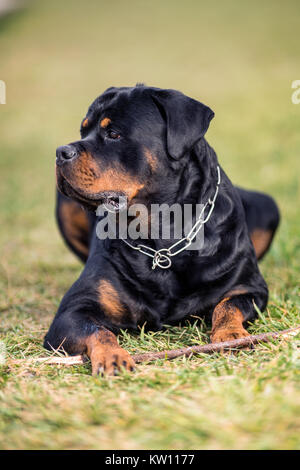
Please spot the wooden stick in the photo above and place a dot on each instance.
(215, 347)
(247, 341)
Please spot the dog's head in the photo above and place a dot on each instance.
(130, 139)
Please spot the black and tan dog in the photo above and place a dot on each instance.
(148, 144)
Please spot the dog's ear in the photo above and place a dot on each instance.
(187, 120)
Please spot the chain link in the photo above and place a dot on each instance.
(162, 257)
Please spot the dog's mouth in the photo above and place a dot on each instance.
(112, 201)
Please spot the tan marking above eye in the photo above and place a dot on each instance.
(85, 122)
(105, 121)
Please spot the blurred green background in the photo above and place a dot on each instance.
(240, 58)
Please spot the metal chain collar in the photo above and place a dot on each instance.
(162, 257)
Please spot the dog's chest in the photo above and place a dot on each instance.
(155, 304)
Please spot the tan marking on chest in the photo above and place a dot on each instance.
(110, 301)
(151, 159)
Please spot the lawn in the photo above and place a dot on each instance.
(240, 58)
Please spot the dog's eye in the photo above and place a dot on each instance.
(113, 135)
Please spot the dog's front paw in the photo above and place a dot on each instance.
(111, 361)
(228, 334)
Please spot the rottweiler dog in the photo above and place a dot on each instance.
(148, 145)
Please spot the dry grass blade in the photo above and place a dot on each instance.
(173, 353)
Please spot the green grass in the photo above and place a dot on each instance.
(240, 58)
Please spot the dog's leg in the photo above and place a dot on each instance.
(229, 318)
(76, 333)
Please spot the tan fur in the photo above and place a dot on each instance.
(106, 355)
(85, 122)
(227, 322)
(75, 225)
(152, 159)
(105, 121)
(236, 291)
(85, 175)
(261, 240)
(109, 300)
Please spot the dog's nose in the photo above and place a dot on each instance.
(65, 153)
